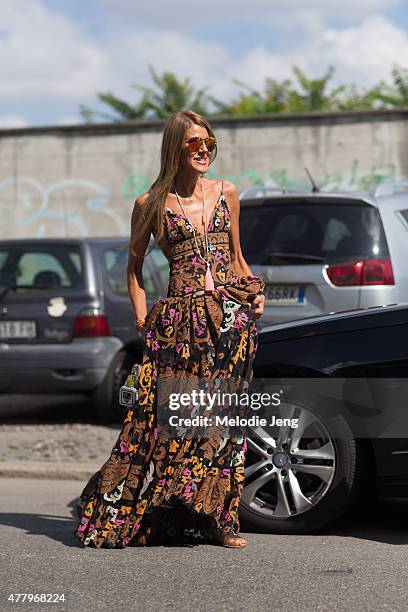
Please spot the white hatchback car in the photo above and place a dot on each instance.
(325, 252)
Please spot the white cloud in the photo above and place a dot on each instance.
(12, 121)
(365, 52)
(43, 53)
(52, 62)
(260, 63)
(204, 63)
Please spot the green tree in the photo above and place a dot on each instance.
(167, 97)
(252, 102)
(172, 95)
(313, 95)
(121, 110)
(350, 98)
(307, 95)
(277, 95)
(395, 95)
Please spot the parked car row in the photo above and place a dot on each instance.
(66, 325)
(66, 321)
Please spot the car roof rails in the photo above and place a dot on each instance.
(388, 188)
(260, 191)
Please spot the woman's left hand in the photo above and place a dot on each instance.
(258, 305)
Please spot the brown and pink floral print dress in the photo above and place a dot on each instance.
(157, 489)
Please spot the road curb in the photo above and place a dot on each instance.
(44, 470)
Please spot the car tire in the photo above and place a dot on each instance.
(105, 398)
(341, 491)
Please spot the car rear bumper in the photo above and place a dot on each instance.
(328, 299)
(79, 366)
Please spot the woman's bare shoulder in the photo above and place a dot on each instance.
(140, 200)
(221, 185)
(231, 195)
(229, 188)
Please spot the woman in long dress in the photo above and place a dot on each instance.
(157, 488)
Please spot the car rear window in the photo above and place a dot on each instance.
(116, 259)
(304, 232)
(41, 268)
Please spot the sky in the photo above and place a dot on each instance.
(58, 54)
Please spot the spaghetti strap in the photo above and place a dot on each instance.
(222, 187)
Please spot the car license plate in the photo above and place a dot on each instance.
(10, 330)
(285, 294)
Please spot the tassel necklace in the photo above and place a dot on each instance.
(208, 278)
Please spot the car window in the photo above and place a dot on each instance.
(75, 257)
(161, 265)
(280, 233)
(116, 259)
(34, 265)
(45, 268)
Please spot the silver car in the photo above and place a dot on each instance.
(326, 252)
(66, 321)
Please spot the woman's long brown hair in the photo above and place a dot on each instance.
(171, 148)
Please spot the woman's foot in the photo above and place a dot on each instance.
(230, 540)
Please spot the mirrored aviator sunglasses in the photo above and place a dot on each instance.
(195, 143)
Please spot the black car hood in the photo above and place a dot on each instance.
(348, 320)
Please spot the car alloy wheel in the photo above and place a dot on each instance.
(288, 470)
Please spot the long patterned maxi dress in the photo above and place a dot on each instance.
(157, 489)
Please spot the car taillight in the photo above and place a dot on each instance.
(363, 272)
(91, 323)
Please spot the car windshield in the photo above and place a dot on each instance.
(31, 267)
(296, 232)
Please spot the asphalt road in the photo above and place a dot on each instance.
(361, 565)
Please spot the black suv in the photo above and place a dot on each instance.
(66, 320)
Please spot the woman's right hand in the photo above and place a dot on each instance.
(140, 330)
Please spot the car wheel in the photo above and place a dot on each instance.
(105, 398)
(298, 480)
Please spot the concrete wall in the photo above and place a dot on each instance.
(82, 180)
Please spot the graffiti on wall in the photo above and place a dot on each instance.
(352, 178)
(68, 207)
(81, 207)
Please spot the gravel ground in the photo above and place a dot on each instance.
(54, 430)
(61, 442)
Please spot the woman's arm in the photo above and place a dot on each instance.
(136, 288)
(238, 261)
